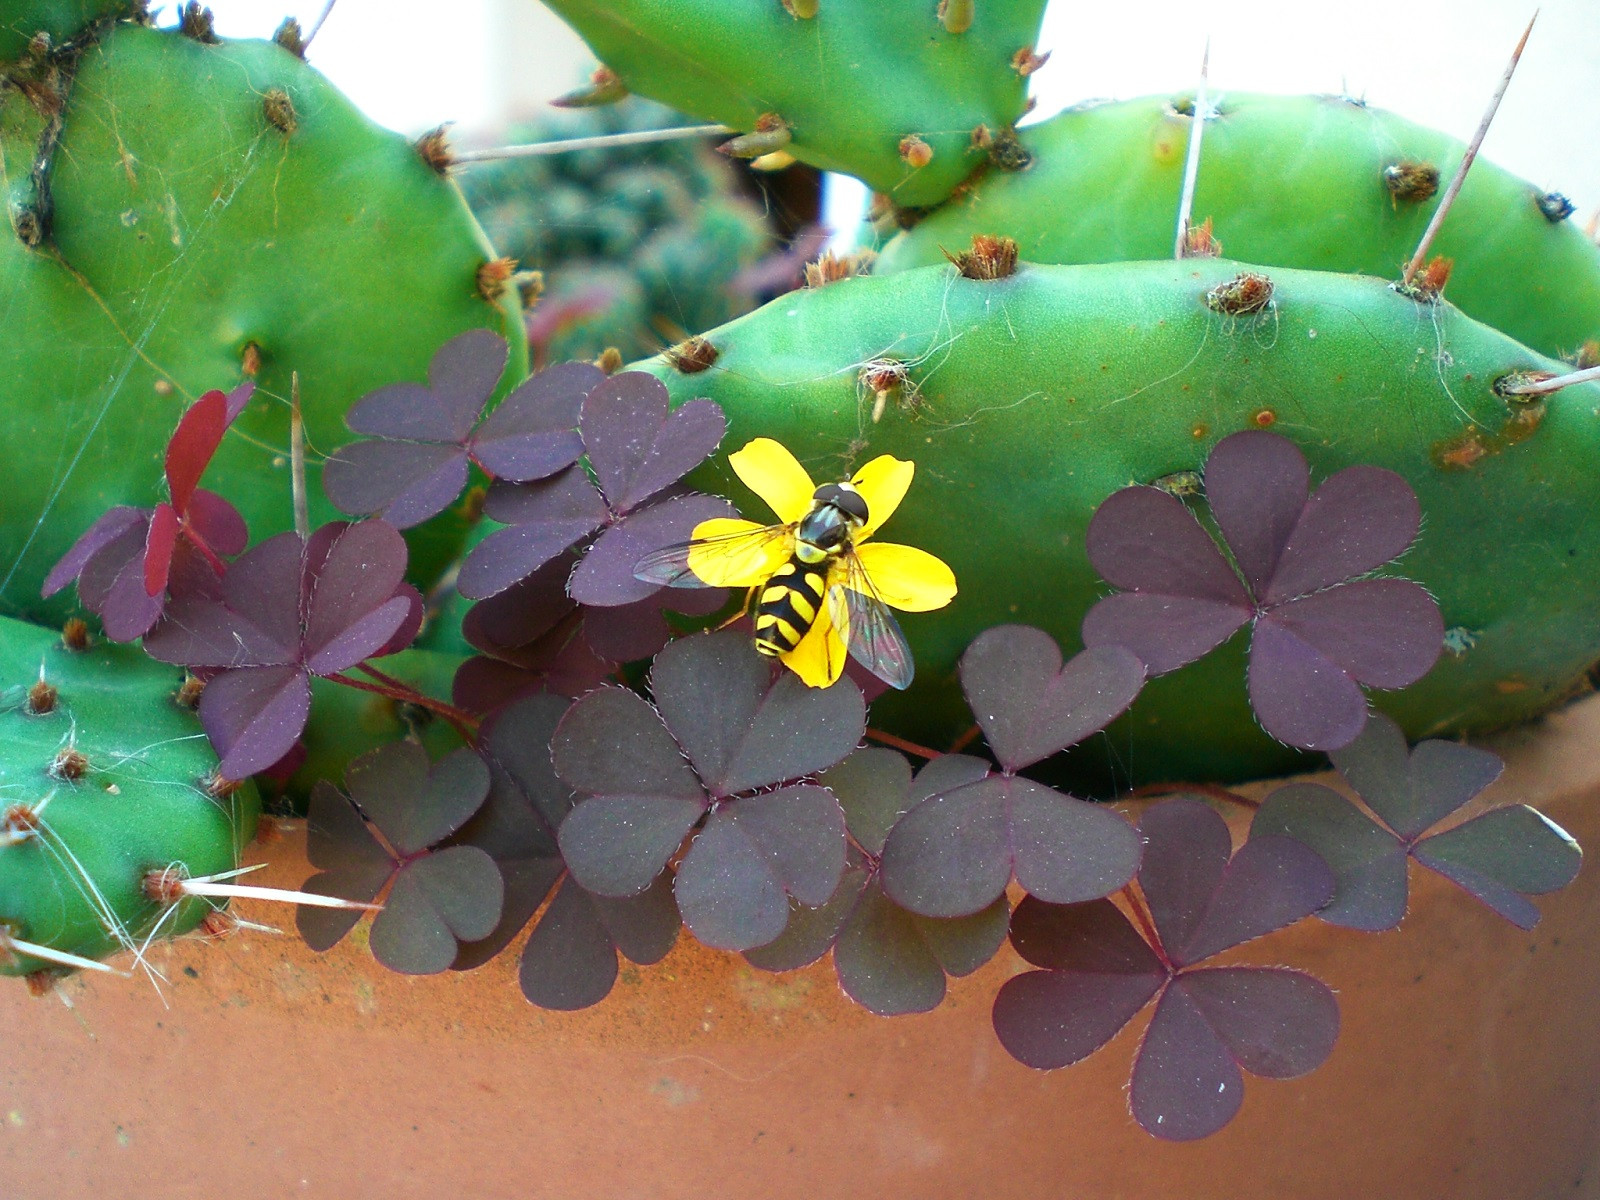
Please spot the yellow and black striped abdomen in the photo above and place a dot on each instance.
(788, 605)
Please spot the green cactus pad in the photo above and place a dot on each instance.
(850, 83)
(1294, 181)
(1031, 399)
(58, 20)
(203, 199)
(139, 801)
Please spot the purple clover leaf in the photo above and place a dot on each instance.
(532, 639)
(437, 897)
(1096, 973)
(1319, 631)
(532, 621)
(953, 854)
(287, 610)
(725, 749)
(888, 959)
(1501, 856)
(129, 560)
(638, 448)
(516, 825)
(570, 958)
(423, 438)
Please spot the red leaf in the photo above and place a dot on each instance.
(196, 439)
(159, 542)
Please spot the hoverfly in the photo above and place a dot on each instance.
(821, 568)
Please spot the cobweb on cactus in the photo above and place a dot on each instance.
(282, 198)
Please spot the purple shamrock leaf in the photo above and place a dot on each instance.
(726, 748)
(570, 959)
(637, 444)
(954, 853)
(638, 448)
(1501, 856)
(523, 614)
(1096, 973)
(423, 438)
(893, 961)
(543, 520)
(632, 632)
(128, 561)
(531, 636)
(437, 897)
(533, 621)
(605, 575)
(1319, 632)
(287, 611)
(888, 959)
(561, 664)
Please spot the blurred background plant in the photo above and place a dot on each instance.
(636, 246)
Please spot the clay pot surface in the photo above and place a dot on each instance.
(1468, 1066)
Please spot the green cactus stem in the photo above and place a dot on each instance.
(837, 85)
(1039, 394)
(105, 776)
(1316, 182)
(30, 30)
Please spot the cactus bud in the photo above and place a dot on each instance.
(770, 134)
(915, 152)
(956, 15)
(604, 87)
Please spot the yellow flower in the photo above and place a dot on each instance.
(746, 554)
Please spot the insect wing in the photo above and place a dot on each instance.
(871, 632)
(742, 555)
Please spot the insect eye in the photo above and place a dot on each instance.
(846, 500)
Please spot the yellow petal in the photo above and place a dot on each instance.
(772, 473)
(736, 553)
(819, 658)
(882, 484)
(907, 578)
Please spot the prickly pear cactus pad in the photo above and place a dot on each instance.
(202, 212)
(58, 20)
(104, 777)
(1025, 401)
(1318, 182)
(891, 91)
